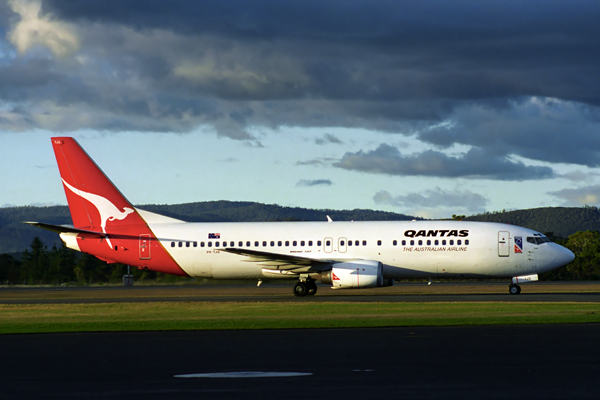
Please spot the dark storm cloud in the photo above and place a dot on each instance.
(475, 164)
(541, 129)
(399, 67)
(328, 138)
(313, 182)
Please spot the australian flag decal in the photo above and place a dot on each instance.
(214, 236)
(518, 244)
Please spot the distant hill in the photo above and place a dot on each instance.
(563, 221)
(15, 236)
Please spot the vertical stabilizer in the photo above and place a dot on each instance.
(93, 200)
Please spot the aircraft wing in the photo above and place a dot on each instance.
(65, 229)
(284, 262)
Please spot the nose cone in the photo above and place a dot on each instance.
(562, 255)
(568, 255)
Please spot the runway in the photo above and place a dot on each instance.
(517, 362)
(411, 292)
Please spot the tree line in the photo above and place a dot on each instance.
(59, 265)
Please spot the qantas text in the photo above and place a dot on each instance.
(437, 233)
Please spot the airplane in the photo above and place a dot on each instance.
(341, 254)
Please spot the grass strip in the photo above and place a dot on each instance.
(162, 316)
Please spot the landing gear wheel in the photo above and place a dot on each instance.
(312, 288)
(300, 289)
(514, 289)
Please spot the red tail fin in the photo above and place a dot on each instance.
(97, 205)
(93, 200)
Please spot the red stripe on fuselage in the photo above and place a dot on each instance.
(126, 249)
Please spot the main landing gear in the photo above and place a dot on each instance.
(306, 288)
(513, 288)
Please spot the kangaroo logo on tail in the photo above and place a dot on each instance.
(107, 210)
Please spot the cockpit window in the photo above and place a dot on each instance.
(538, 239)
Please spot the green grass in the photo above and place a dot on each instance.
(160, 316)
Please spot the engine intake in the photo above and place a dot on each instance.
(354, 274)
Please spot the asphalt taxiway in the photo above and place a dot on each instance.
(517, 362)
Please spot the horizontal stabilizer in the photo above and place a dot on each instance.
(65, 229)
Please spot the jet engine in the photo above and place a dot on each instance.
(355, 274)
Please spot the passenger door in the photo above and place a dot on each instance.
(503, 244)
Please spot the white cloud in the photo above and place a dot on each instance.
(35, 29)
(587, 195)
(434, 203)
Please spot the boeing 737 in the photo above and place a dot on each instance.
(344, 255)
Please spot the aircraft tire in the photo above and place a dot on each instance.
(514, 289)
(300, 289)
(312, 288)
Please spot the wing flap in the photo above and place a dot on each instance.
(283, 262)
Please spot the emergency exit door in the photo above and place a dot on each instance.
(145, 247)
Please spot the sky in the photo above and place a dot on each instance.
(426, 108)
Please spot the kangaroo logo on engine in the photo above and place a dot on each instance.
(437, 233)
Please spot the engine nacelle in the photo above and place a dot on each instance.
(354, 274)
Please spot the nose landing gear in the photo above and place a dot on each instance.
(513, 288)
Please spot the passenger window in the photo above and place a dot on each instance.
(201, 244)
(412, 242)
(279, 243)
(443, 242)
(404, 243)
(272, 243)
(302, 243)
(356, 243)
(379, 243)
(459, 242)
(240, 244)
(294, 243)
(467, 242)
(187, 244)
(310, 242)
(364, 242)
(287, 243)
(216, 244)
(328, 243)
(264, 243)
(172, 244)
(209, 244)
(342, 243)
(248, 244)
(180, 244)
(256, 244)
(429, 243)
(420, 243)
(395, 242)
(195, 244)
(437, 242)
(319, 243)
(452, 243)
(231, 244)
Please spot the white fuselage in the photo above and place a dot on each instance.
(407, 249)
